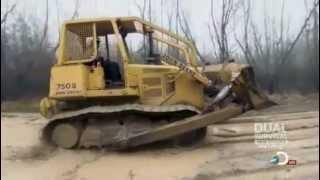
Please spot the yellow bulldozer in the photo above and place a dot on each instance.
(123, 82)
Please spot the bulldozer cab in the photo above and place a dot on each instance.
(116, 39)
(108, 57)
(126, 56)
(94, 44)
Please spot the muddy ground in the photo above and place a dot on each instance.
(228, 152)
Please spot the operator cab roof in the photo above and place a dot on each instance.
(104, 25)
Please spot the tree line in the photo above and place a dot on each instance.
(282, 62)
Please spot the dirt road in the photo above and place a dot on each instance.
(229, 151)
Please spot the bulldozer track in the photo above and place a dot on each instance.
(73, 121)
(126, 107)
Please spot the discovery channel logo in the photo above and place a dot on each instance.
(281, 158)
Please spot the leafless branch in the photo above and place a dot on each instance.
(45, 28)
(150, 10)
(229, 8)
(141, 9)
(7, 13)
(76, 10)
(285, 58)
(186, 30)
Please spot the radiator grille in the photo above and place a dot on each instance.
(170, 87)
(154, 81)
(153, 92)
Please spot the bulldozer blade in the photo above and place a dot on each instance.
(179, 127)
(260, 101)
(257, 98)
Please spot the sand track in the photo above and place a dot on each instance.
(229, 152)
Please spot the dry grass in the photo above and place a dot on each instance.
(20, 106)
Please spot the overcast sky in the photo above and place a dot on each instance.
(197, 10)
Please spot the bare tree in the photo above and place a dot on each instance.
(7, 13)
(270, 52)
(4, 43)
(245, 47)
(285, 56)
(170, 26)
(76, 10)
(187, 32)
(218, 31)
(150, 11)
(45, 28)
(141, 8)
(58, 20)
(311, 51)
(142, 11)
(177, 16)
(75, 15)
